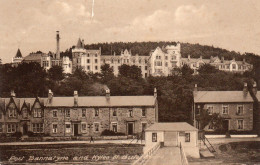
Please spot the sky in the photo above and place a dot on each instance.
(31, 25)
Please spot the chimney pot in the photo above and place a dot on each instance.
(155, 92)
(245, 90)
(50, 96)
(12, 93)
(75, 98)
(195, 88)
(107, 94)
(254, 88)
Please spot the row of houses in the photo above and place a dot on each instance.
(90, 115)
(238, 108)
(160, 62)
(78, 115)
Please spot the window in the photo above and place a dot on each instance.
(114, 127)
(88, 60)
(88, 67)
(37, 112)
(114, 112)
(95, 60)
(166, 64)
(240, 109)
(240, 124)
(68, 127)
(187, 137)
(67, 112)
(83, 127)
(154, 137)
(96, 55)
(145, 67)
(54, 128)
(55, 113)
(166, 57)
(11, 128)
(140, 61)
(112, 61)
(1, 127)
(143, 112)
(96, 112)
(37, 127)
(233, 66)
(96, 67)
(225, 109)
(130, 112)
(96, 127)
(83, 112)
(88, 54)
(12, 112)
(144, 125)
(210, 109)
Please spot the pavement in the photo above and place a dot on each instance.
(128, 141)
(166, 156)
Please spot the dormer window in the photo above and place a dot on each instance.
(12, 112)
(25, 113)
(37, 113)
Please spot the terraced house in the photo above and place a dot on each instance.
(78, 115)
(21, 115)
(236, 107)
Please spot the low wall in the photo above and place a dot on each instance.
(232, 136)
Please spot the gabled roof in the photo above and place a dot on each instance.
(97, 101)
(221, 97)
(175, 126)
(33, 57)
(18, 54)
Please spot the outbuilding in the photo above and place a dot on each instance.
(173, 134)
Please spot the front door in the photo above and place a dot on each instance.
(170, 138)
(130, 128)
(76, 130)
(226, 125)
(25, 129)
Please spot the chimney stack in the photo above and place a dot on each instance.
(12, 93)
(245, 90)
(254, 88)
(58, 45)
(155, 92)
(107, 94)
(50, 96)
(195, 88)
(200, 57)
(76, 96)
(244, 60)
(188, 57)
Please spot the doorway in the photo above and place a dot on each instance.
(226, 125)
(130, 128)
(76, 131)
(25, 129)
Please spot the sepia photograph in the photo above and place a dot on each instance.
(130, 82)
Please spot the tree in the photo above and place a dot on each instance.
(207, 69)
(106, 73)
(132, 72)
(56, 73)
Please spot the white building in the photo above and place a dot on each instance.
(66, 65)
(163, 61)
(173, 134)
(88, 60)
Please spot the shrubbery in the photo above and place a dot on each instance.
(107, 132)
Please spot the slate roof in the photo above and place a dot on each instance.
(175, 126)
(19, 102)
(101, 101)
(221, 97)
(33, 57)
(79, 44)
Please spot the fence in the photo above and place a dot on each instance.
(147, 154)
(184, 160)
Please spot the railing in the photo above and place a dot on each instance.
(147, 154)
(209, 146)
(184, 160)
